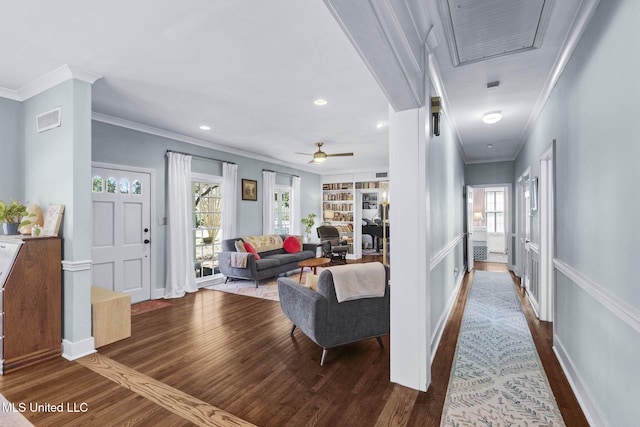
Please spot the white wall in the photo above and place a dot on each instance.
(593, 116)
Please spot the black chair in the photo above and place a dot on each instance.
(332, 246)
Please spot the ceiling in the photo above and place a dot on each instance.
(251, 70)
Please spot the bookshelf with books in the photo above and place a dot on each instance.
(338, 209)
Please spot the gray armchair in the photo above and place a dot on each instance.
(329, 323)
(333, 247)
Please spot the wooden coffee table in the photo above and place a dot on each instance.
(313, 263)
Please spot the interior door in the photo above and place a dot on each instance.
(121, 232)
(469, 228)
(525, 237)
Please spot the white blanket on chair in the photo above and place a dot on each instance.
(355, 281)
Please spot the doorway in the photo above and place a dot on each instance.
(121, 248)
(489, 223)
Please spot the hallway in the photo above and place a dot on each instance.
(258, 373)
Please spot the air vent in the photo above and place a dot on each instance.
(493, 84)
(480, 30)
(48, 120)
(382, 174)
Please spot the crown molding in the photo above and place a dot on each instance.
(579, 24)
(48, 81)
(104, 118)
(10, 94)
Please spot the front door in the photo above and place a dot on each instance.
(121, 248)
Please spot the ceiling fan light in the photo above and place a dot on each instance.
(319, 159)
(492, 117)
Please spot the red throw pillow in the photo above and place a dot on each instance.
(291, 245)
(251, 249)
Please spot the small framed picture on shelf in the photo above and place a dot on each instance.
(52, 220)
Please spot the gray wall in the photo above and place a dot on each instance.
(593, 115)
(446, 192)
(12, 164)
(489, 173)
(121, 146)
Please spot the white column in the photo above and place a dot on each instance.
(409, 257)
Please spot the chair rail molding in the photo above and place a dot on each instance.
(622, 310)
(442, 254)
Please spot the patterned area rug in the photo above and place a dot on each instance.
(497, 378)
(267, 289)
(147, 306)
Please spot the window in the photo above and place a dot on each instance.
(282, 210)
(494, 205)
(207, 223)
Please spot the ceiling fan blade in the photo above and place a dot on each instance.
(304, 154)
(311, 161)
(340, 155)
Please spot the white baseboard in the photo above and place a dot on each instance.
(76, 350)
(442, 321)
(587, 404)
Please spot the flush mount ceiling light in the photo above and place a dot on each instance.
(492, 117)
(489, 145)
(320, 101)
(381, 125)
(205, 127)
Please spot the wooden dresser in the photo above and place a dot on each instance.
(30, 301)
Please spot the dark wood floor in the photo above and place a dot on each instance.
(235, 353)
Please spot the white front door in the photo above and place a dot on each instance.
(469, 228)
(121, 250)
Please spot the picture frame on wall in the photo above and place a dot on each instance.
(534, 194)
(249, 190)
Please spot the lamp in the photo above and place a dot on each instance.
(384, 189)
(435, 114)
(492, 117)
(477, 218)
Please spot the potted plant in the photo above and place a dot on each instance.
(308, 222)
(12, 215)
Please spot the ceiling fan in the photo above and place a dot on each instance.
(320, 156)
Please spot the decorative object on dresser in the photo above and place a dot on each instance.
(52, 220)
(30, 279)
(12, 215)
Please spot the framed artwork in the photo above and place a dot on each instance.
(52, 220)
(249, 189)
(534, 194)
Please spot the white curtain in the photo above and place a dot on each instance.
(268, 203)
(296, 210)
(181, 275)
(229, 199)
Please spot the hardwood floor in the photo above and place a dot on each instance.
(233, 353)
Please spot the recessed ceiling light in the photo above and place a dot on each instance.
(492, 117)
(205, 127)
(320, 101)
(380, 125)
(489, 145)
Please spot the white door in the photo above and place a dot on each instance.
(525, 230)
(121, 232)
(469, 228)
